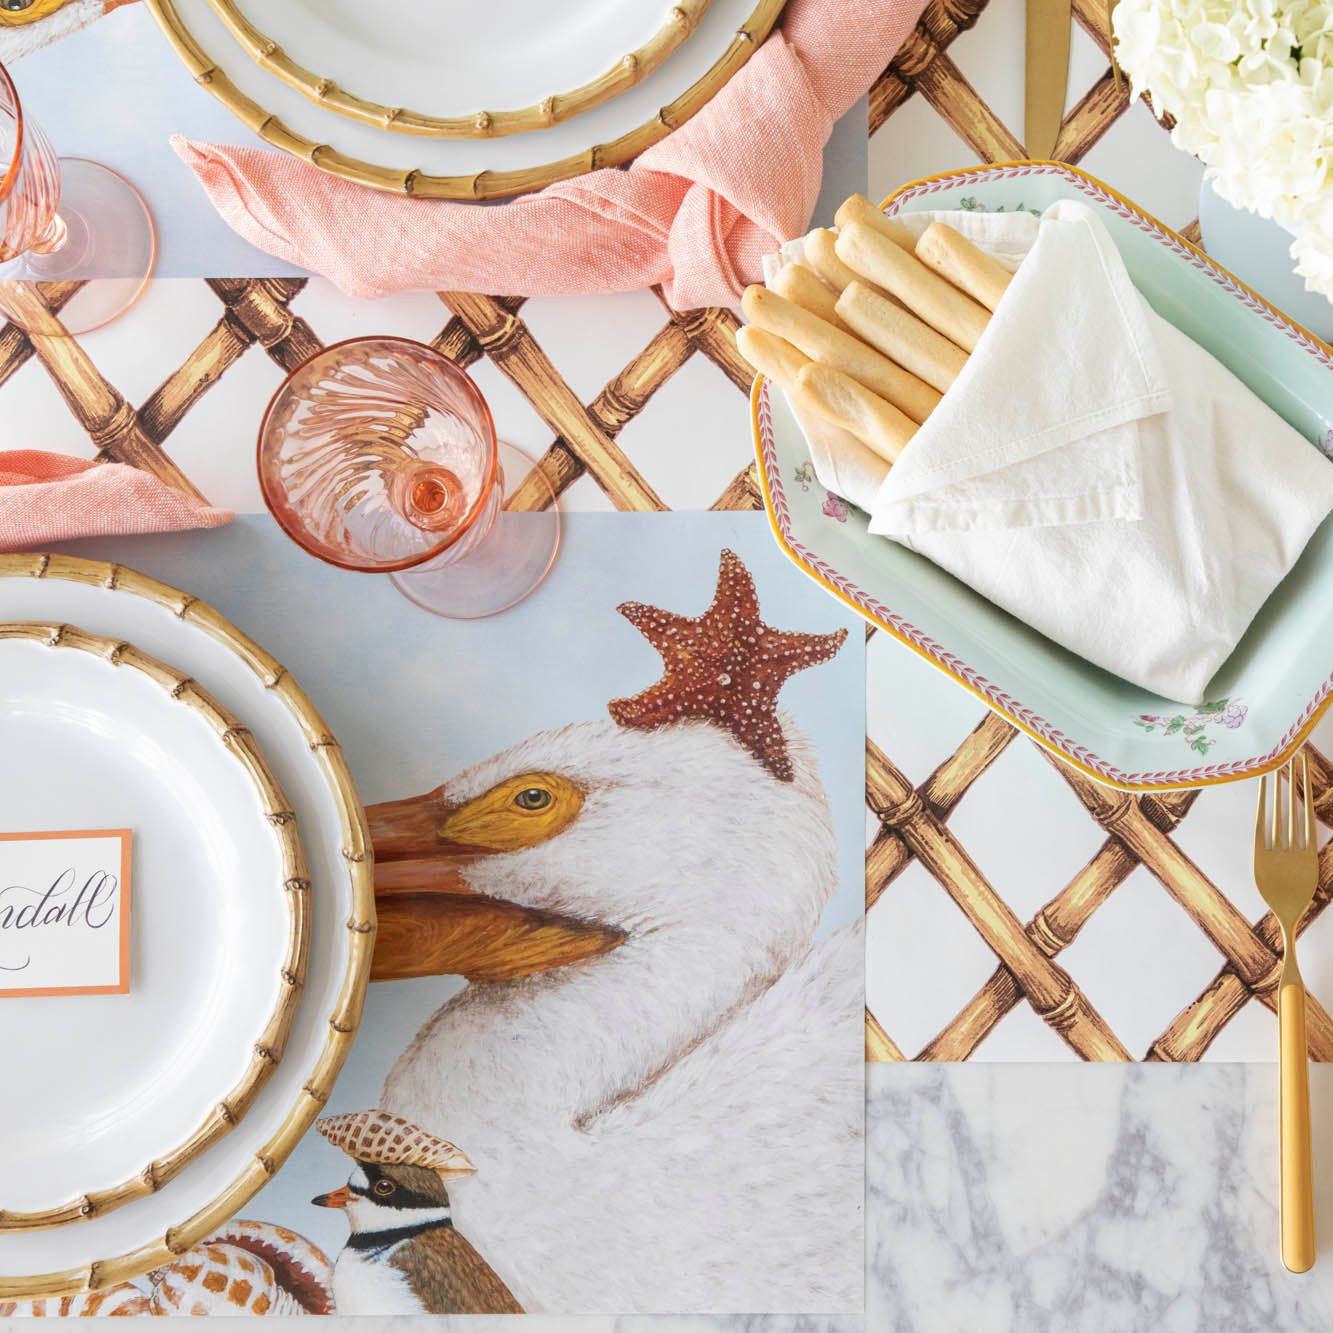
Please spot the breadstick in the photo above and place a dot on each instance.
(770, 355)
(899, 334)
(840, 399)
(822, 256)
(781, 362)
(920, 289)
(801, 287)
(820, 341)
(857, 208)
(971, 270)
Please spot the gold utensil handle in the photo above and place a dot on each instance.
(1298, 1244)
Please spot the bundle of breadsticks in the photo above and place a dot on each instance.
(868, 328)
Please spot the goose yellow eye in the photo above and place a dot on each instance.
(384, 1188)
(519, 812)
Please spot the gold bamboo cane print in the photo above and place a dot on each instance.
(101, 410)
(1049, 989)
(1052, 930)
(1195, 1028)
(457, 341)
(619, 402)
(879, 1045)
(888, 856)
(15, 349)
(1098, 109)
(1256, 962)
(255, 312)
(940, 22)
(511, 346)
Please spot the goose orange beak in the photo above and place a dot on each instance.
(333, 1199)
(432, 922)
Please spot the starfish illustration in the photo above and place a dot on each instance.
(724, 667)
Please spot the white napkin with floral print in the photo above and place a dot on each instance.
(1095, 472)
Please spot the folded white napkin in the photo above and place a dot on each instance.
(1092, 470)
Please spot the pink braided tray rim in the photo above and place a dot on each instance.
(950, 662)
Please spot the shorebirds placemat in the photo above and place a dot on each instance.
(612, 1055)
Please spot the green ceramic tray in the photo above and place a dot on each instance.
(1267, 696)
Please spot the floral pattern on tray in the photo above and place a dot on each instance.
(834, 506)
(1192, 727)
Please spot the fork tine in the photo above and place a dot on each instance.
(1291, 804)
(1260, 825)
(1310, 835)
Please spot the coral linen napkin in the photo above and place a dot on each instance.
(1095, 472)
(696, 212)
(47, 498)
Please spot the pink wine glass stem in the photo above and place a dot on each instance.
(53, 236)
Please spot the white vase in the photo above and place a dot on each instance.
(1257, 251)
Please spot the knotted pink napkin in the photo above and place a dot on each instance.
(47, 498)
(695, 212)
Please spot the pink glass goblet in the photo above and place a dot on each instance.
(379, 455)
(68, 222)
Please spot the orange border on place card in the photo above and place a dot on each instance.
(125, 836)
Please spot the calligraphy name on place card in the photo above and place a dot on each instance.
(65, 913)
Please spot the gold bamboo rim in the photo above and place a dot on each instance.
(267, 1048)
(682, 19)
(357, 858)
(481, 184)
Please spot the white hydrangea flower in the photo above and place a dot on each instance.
(1250, 86)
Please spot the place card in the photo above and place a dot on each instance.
(65, 913)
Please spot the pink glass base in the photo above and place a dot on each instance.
(508, 563)
(110, 246)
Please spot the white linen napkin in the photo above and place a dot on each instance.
(1095, 472)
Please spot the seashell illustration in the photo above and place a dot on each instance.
(122, 1299)
(248, 1267)
(377, 1136)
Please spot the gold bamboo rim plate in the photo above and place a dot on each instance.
(681, 20)
(271, 1041)
(290, 728)
(483, 184)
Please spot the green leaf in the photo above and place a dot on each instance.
(1175, 725)
(1202, 744)
(1216, 706)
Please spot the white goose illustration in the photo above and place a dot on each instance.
(657, 1075)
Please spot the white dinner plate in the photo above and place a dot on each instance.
(120, 604)
(461, 70)
(119, 1091)
(607, 135)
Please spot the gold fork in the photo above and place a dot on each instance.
(1286, 869)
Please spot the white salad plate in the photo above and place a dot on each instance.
(125, 607)
(461, 70)
(728, 32)
(1267, 696)
(119, 1091)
